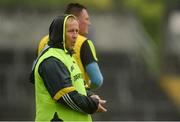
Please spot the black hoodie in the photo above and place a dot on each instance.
(56, 32)
(56, 40)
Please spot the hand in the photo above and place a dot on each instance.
(101, 102)
(100, 107)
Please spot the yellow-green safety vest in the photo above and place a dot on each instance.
(46, 106)
(77, 48)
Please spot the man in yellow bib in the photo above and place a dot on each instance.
(59, 85)
(85, 53)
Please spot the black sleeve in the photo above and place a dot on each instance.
(80, 102)
(87, 54)
(55, 75)
(89, 92)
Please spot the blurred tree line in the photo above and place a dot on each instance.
(151, 13)
(153, 16)
(53, 4)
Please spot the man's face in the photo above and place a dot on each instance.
(71, 34)
(84, 22)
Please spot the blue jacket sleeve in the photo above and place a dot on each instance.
(95, 75)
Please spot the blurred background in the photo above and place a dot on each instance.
(137, 43)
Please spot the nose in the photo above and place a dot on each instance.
(75, 35)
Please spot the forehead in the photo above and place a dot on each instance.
(71, 22)
(71, 19)
(84, 13)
